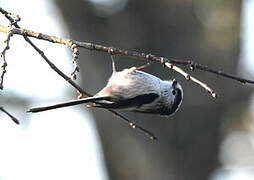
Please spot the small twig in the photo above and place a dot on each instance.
(2, 55)
(193, 65)
(75, 56)
(13, 18)
(134, 125)
(12, 117)
(189, 77)
(80, 91)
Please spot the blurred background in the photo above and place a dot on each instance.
(206, 139)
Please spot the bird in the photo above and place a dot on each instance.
(131, 90)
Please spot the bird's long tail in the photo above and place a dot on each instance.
(68, 103)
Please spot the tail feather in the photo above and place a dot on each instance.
(68, 103)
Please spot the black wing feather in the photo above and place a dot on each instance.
(136, 101)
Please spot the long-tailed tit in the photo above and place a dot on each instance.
(132, 90)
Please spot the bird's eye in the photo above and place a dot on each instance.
(174, 92)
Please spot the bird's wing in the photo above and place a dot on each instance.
(131, 103)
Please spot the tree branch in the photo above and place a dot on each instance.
(2, 55)
(133, 54)
(12, 117)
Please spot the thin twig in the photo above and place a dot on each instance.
(2, 55)
(75, 56)
(116, 51)
(13, 18)
(134, 125)
(193, 65)
(189, 77)
(12, 117)
(80, 91)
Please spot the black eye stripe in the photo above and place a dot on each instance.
(174, 92)
(179, 95)
(177, 100)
